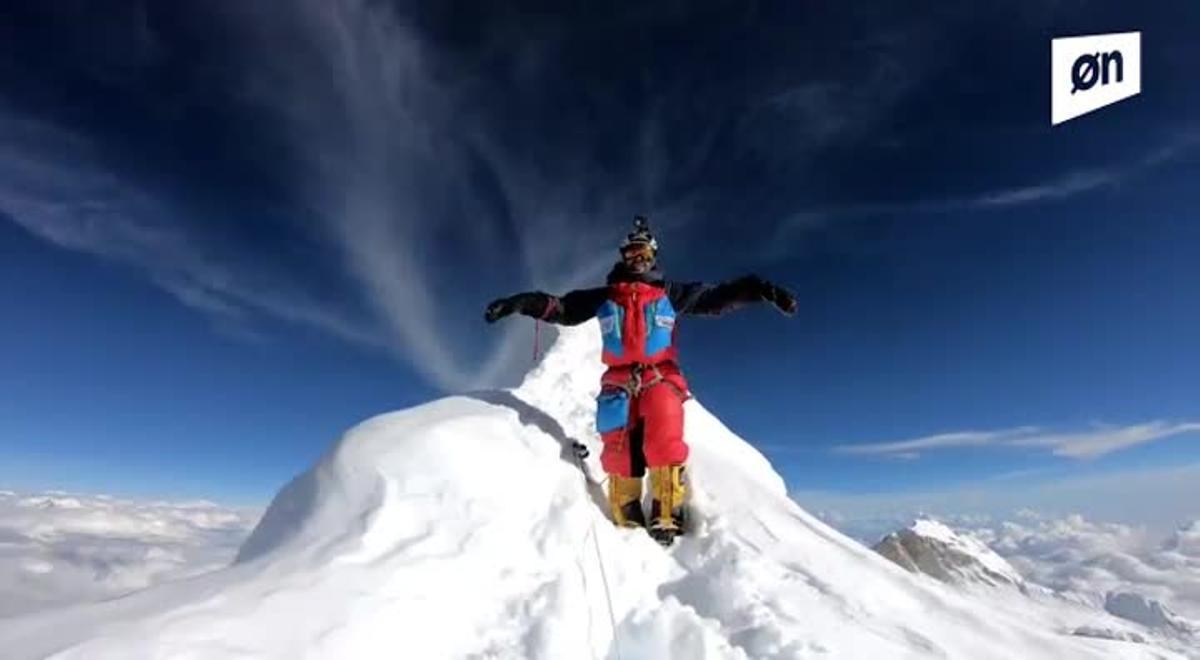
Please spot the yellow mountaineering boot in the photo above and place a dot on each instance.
(666, 508)
(625, 500)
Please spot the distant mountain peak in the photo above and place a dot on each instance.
(931, 547)
(1146, 611)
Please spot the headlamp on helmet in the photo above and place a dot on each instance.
(640, 237)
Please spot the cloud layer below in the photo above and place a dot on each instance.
(59, 549)
(1080, 556)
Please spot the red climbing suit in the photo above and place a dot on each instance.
(640, 408)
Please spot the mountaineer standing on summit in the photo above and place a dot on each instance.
(640, 408)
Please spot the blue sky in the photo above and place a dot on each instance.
(228, 235)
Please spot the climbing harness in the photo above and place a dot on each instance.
(638, 381)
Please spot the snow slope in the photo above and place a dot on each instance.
(463, 528)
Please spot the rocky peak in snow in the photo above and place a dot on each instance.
(1146, 611)
(930, 547)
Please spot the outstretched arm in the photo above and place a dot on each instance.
(700, 299)
(571, 309)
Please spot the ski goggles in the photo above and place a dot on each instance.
(637, 250)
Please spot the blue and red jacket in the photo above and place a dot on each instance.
(638, 314)
(637, 324)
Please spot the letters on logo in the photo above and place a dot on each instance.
(1090, 72)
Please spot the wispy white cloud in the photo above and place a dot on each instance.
(1098, 442)
(386, 146)
(1091, 443)
(1072, 184)
(52, 185)
(371, 127)
(881, 69)
(59, 549)
(1065, 186)
(913, 447)
(389, 143)
(1069, 185)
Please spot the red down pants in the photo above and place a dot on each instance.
(653, 433)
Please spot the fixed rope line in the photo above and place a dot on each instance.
(600, 561)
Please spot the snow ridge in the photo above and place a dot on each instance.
(464, 528)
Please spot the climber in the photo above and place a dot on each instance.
(640, 408)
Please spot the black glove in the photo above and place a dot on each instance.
(498, 309)
(580, 449)
(783, 299)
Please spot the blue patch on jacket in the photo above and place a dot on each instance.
(660, 324)
(611, 318)
(612, 410)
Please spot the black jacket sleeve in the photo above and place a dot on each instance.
(700, 299)
(570, 309)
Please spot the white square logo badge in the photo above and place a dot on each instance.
(1088, 73)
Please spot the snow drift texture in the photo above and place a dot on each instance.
(463, 528)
